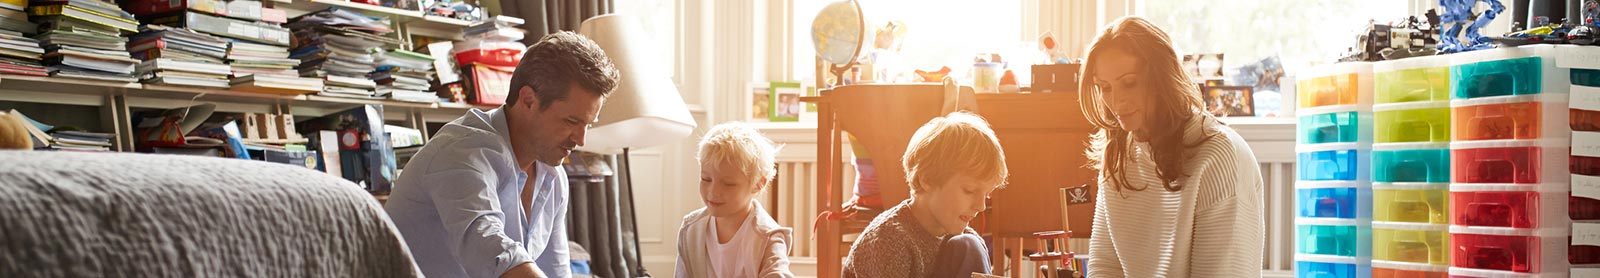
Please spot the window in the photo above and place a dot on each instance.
(1299, 32)
(938, 32)
(658, 18)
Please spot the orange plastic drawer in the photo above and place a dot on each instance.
(1512, 117)
(1389, 269)
(1336, 84)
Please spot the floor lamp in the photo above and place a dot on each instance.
(644, 110)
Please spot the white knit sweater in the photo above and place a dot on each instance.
(1210, 228)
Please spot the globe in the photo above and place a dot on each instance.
(837, 32)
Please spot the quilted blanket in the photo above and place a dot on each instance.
(66, 214)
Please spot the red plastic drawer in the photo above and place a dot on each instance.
(1513, 206)
(1509, 161)
(1516, 250)
(1584, 120)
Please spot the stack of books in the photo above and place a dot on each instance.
(178, 56)
(337, 45)
(19, 54)
(268, 69)
(82, 39)
(60, 138)
(405, 76)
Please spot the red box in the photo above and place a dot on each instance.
(500, 54)
(487, 84)
(1584, 165)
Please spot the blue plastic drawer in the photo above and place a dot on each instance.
(1337, 127)
(1326, 240)
(1304, 269)
(1327, 202)
(1421, 165)
(1328, 165)
(1521, 76)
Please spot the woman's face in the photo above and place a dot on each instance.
(1118, 75)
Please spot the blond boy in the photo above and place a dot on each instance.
(952, 164)
(733, 236)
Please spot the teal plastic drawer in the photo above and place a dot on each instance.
(1337, 127)
(1326, 240)
(1419, 165)
(1521, 76)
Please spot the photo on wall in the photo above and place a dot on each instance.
(760, 101)
(785, 102)
(1229, 101)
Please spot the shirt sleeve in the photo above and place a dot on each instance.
(555, 260)
(776, 259)
(467, 202)
(1228, 231)
(1103, 261)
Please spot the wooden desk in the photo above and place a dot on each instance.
(1043, 136)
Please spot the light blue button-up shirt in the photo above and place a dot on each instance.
(458, 204)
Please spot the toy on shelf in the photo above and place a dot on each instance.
(1053, 49)
(933, 76)
(1546, 32)
(457, 9)
(1408, 37)
(1458, 13)
(1587, 29)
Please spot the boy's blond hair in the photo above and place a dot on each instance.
(958, 143)
(734, 141)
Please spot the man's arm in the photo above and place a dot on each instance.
(465, 192)
(525, 270)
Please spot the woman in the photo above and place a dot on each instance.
(1180, 193)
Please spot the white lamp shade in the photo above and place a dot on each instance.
(645, 109)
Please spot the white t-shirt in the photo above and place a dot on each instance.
(733, 259)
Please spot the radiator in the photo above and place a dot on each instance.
(792, 199)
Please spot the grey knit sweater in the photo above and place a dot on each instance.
(894, 245)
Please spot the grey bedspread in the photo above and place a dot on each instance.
(134, 215)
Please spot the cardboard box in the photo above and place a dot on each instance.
(306, 159)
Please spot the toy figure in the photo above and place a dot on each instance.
(1544, 32)
(1587, 30)
(1458, 13)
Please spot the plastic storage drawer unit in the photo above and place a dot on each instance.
(1387, 269)
(1516, 117)
(1508, 71)
(1509, 161)
(1411, 162)
(1505, 249)
(1336, 84)
(1411, 122)
(1425, 78)
(1509, 205)
(1411, 202)
(1411, 242)
(1315, 266)
(1328, 162)
(1335, 127)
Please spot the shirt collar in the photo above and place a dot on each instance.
(497, 120)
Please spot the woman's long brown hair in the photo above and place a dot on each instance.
(1177, 100)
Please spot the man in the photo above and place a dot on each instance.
(487, 196)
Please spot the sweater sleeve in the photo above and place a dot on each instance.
(1103, 261)
(1228, 231)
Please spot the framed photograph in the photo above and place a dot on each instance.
(760, 101)
(785, 102)
(1229, 101)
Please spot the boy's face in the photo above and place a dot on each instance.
(954, 204)
(726, 189)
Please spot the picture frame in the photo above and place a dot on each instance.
(760, 100)
(784, 102)
(1229, 101)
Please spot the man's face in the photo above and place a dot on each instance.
(548, 135)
